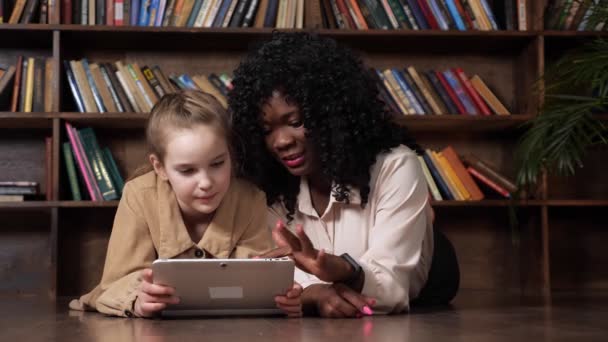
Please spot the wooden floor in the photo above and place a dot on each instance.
(474, 316)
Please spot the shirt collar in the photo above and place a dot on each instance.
(305, 202)
(174, 236)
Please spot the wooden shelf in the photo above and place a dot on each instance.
(26, 120)
(577, 203)
(460, 123)
(28, 205)
(486, 203)
(87, 204)
(574, 34)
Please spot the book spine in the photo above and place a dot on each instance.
(16, 86)
(450, 91)
(128, 93)
(49, 76)
(436, 12)
(83, 163)
(451, 6)
(434, 107)
(411, 18)
(488, 11)
(442, 92)
(417, 12)
(221, 14)
(522, 16)
(117, 179)
(149, 75)
(230, 13)
(68, 157)
(466, 83)
(96, 94)
(239, 13)
(250, 14)
(118, 88)
(429, 180)
(462, 95)
(426, 109)
(74, 87)
(488, 182)
(38, 95)
(29, 85)
(444, 173)
(408, 92)
(93, 152)
(443, 187)
(113, 94)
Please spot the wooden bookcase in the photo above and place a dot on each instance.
(57, 247)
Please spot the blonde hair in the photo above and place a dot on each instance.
(183, 110)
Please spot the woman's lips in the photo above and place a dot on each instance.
(295, 160)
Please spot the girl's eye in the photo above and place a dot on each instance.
(266, 131)
(217, 164)
(186, 171)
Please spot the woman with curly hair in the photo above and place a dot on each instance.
(346, 193)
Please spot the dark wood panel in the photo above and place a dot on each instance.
(82, 242)
(589, 181)
(25, 262)
(483, 242)
(578, 248)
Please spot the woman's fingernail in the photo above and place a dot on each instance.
(366, 310)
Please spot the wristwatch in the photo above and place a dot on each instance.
(356, 269)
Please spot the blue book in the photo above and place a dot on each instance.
(74, 87)
(489, 14)
(96, 94)
(271, 13)
(144, 13)
(153, 12)
(221, 13)
(195, 9)
(455, 15)
(443, 187)
(178, 82)
(441, 20)
(417, 12)
(188, 82)
(460, 92)
(135, 12)
(408, 92)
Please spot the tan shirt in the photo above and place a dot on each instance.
(148, 225)
(391, 238)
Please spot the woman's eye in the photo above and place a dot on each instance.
(186, 171)
(296, 124)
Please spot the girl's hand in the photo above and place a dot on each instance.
(153, 298)
(327, 267)
(291, 302)
(338, 301)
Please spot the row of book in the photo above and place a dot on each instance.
(32, 86)
(436, 92)
(426, 14)
(25, 11)
(577, 15)
(451, 177)
(18, 191)
(92, 171)
(125, 87)
(186, 13)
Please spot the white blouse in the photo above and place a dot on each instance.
(391, 238)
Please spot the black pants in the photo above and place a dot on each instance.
(444, 276)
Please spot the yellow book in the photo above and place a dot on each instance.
(452, 174)
(29, 85)
(480, 14)
(206, 86)
(388, 75)
(444, 175)
(448, 178)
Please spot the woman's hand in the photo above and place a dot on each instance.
(152, 298)
(291, 302)
(327, 267)
(337, 301)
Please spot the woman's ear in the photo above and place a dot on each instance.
(158, 166)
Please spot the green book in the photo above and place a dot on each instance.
(68, 156)
(113, 168)
(100, 171)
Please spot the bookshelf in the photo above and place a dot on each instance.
(57, 247)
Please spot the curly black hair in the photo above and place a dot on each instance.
(346, 122)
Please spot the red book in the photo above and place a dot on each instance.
(110, 13)
(428, 15)
(346, 14)
(451, 93)
(464, 15)
(17, 84)
(466, 83)
(476, 174)
(66, 11)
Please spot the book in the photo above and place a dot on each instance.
(429, 180)
(440, 181)
(68, 157)
(17, 84)
(490, 172)
(485, 180)
(452, 157)
(488, 96)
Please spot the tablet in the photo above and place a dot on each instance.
(225, 286)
